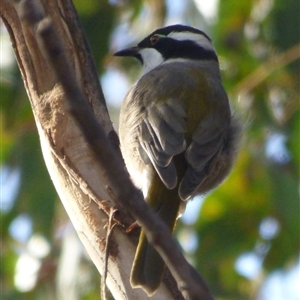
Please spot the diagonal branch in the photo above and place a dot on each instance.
(118, 183)
(260, 74)
(108, 161)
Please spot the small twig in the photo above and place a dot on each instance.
(110, 226)
(261, 73)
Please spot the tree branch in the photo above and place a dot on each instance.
(45, 34)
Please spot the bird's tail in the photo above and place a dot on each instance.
(148, 266)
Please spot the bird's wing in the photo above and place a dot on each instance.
(162, 126)
(206, 143)
(162, 136)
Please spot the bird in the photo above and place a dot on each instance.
(178, 135)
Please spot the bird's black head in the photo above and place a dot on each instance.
(172, 42)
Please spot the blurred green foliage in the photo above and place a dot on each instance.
(248, 35)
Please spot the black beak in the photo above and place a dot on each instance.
(133, 51)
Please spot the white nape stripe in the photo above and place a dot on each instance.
(151, 59)
(198, 38)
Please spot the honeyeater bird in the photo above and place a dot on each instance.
(177, 133)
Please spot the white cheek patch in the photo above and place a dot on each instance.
(151, 59)
(198, 38)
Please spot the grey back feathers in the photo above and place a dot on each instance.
(158, 122)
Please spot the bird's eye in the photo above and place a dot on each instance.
(154, 39)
